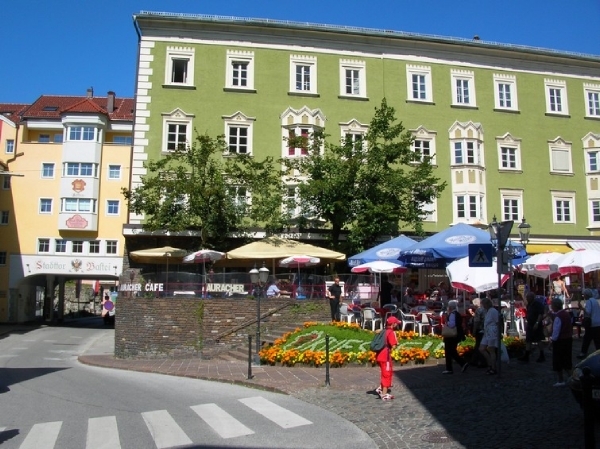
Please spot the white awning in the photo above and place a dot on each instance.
(584, 244)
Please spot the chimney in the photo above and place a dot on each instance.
(110, 102)
(90, 92)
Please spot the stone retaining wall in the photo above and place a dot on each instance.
(184, 327)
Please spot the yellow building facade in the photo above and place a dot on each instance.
(62, 209)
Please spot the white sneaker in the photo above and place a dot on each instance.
(387, 397)
(378, 390)
(559, 384)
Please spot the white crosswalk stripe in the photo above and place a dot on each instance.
(164, 429)
(221, 421)
(42, 436)
(103, 433)
(279, 415)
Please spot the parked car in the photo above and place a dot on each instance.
(574, 382)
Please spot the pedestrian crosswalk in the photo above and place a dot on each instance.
(103, 432)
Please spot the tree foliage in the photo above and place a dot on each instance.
(368, 188)
(198, 188)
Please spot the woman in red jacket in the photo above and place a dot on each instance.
(384, 358)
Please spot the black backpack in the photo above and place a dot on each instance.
(378, 342)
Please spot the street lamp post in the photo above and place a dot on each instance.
(258, 278)
(499, 233)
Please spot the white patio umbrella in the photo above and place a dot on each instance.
(299, 261)
(473, 279)
(541, 265)
(203, 256)
(379, 266)
(579, 261)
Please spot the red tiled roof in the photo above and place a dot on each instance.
(12, 110)
(53, 106)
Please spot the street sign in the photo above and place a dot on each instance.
(481, 254)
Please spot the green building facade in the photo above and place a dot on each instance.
(515, 131)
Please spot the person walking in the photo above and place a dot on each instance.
(384, 359)
(591, 323)
(489, 342)
(477, 357)
(334, 293)
(534, 331)
(454, 321)
(559, 289)
(562, 341)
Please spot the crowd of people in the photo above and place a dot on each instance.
(549, 326)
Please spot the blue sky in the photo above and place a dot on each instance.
(62, 47)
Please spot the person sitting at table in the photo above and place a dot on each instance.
(273, 291)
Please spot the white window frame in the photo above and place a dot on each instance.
(9, 146)
(297, 210)
(429, 211)
(239, 120)
(109, 245)
(78, 133)
(514, 196)
(354, 128)
(94, 246)
(467, 76)
(45, 201)
(468, 197)
(591, 97)
(558, 148)
(311, 63)
(501, 79)
(592, 153)
(295, 120)
(419, 70)
(240, 200)
(422, 134)
(509, 142)
(242, 57)
(43, 245)
(60, 246)
(477, 156)
(50, 165)
(564, 198)
(551, 87)
(110, 203)
(594, 204)
(176, 117)
(80, 205)
(179, 53)
(114, 169)
(80, 166)
(361, 68)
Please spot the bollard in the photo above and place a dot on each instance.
(250, 376)
(587, 403)
(327, 360)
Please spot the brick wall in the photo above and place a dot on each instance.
(184, 327)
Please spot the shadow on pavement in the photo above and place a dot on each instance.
(11, 376)
(517, 409)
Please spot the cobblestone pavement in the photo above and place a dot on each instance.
(519, 408)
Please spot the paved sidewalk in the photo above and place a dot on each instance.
(517, 409)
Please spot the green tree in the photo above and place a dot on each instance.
(369, 187)
(201, 188)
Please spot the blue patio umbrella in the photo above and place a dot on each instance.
(388, 251)
(450, 244)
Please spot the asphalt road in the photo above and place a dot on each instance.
(50, 400)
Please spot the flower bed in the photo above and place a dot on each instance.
(349, 344)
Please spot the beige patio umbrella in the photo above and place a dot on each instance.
(277, 248)
(164, 254)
